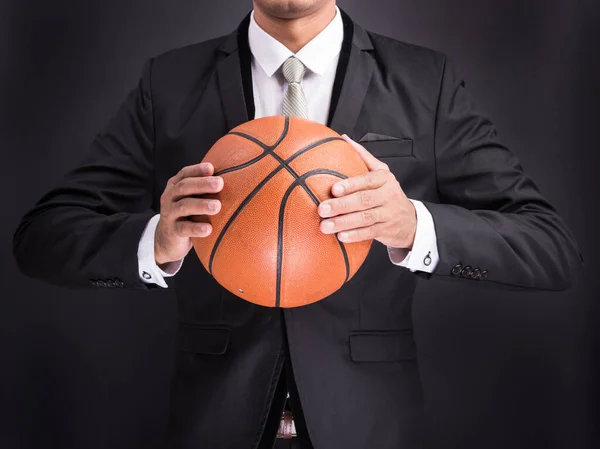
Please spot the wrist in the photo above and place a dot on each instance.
(162, 265)
(159, 257)
(160, 260)
(413, 228)
(407, 240)
(411, 240)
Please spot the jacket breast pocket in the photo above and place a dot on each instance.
(390, 148)
(382, 346)
(202, 340)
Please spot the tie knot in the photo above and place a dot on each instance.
(293, 70)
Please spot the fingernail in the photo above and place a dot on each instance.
(343, 235)
(328, 226)
(212, 206)
(338, 189)
(214, 183)
(324, 208)
(204, 228)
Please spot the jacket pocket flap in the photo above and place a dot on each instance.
(389, 148)
(382, 346)
(202, 340)
(373, 137)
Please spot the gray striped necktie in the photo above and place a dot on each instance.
(294, 101)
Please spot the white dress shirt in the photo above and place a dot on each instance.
(320, 56)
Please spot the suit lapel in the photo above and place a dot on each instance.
(353, 76)
(234, 77)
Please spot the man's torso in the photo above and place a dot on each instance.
(353, 353)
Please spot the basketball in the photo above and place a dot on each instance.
(266, 245)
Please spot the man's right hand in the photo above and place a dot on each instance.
(179, 201)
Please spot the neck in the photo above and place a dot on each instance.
(295, 33)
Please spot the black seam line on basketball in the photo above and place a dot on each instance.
(237, 167)
(255, 191)
(316, 201)
(266, 148)
(259, 157)
(285, 163)
(300, 182)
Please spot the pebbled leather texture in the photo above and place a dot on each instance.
(266, 246)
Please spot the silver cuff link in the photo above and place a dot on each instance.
(427, 259)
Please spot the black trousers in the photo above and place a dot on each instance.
(286, 384)
(280, 443)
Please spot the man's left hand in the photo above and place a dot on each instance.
(370, 206)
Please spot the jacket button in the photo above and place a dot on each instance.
(484, 274)
(101, 283)
(466, 271)
(476, 273)
(456, 269)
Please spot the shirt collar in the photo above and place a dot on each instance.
(316, 55)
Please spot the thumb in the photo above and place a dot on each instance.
(371, 161)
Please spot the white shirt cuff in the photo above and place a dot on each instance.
(149, 271)
(424, 254)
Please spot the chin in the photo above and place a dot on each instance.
(289, 9)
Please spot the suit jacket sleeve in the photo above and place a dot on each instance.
(88, 227)
(493, 216)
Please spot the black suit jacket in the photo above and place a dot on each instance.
(353, 353)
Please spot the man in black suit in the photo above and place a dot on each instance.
(443, 198)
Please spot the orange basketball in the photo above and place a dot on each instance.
(266, 246)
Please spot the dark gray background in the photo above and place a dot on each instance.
(500, 370)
